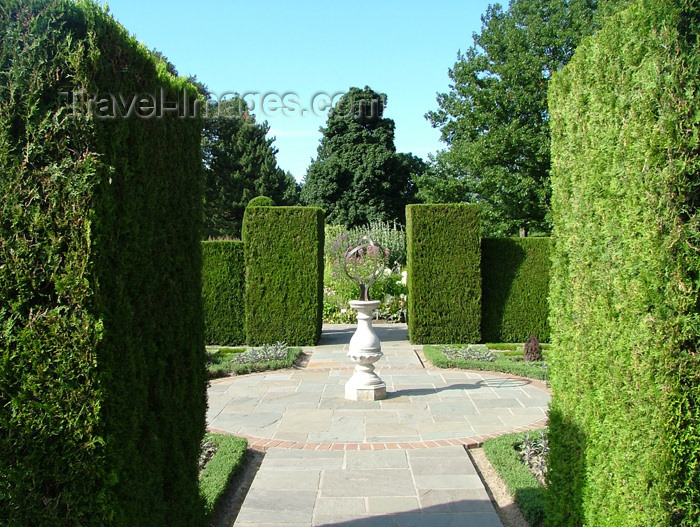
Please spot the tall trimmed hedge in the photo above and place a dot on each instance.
(625, 413)
(102, 377)
(284, 274)
(515, 288)
(444, 279)
(223, 287)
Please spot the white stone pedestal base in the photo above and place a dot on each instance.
(364, 350)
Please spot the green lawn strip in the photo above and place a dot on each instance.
(225, 365)
(527, 492)
(217, 473)
(225, 351)
(503, 364)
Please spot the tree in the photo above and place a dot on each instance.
(357, 175)
(239, 164)
(495, 119)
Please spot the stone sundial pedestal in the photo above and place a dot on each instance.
(364, 263)
(365, 349)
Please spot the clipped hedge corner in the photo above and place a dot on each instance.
(444, 279)
(284, 275)
(223, 287)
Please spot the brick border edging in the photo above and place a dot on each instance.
(468, 442)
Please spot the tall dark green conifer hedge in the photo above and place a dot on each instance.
(443, 248)
(625, 369)
(515, 289)
(223, 287)
(102, 378)
(284, 274)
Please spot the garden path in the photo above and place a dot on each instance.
(331, 461)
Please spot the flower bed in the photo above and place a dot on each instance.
(389, 288)
(222, 362)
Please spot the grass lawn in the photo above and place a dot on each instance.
(508, 359)
(527, 492)
(226, 461)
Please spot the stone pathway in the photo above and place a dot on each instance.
(396, 462)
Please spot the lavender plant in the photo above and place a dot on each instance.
(266, 352)
(533, 452)
(477, 352)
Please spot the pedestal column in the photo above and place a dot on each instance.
(365, 349)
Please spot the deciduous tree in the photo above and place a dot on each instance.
(495, 120)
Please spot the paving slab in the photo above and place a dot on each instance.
(398, 462)
(362, 488)
(462, 406)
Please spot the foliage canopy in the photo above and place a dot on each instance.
(495, 120)
(239, 164)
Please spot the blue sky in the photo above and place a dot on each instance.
(307, 47)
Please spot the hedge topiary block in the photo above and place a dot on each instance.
(444, 278)
(284, 275)
(515, 288)
(223, 287)
(103, 383)
(625, 414)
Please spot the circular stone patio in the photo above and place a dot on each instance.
(425, 406)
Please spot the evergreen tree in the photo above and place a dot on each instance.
(357, 175)
(239, 164)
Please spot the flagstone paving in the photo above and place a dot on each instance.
(396, 462)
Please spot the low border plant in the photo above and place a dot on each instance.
(224, 362)
(221, 468)
(533, 453)
(477, 352)
(457, 356)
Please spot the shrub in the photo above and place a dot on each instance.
(515, 288)
(472, 352)
(451, 357)
(624, 292)
(233, 361)
(444, 278)
(284, 274)
(532, 351)
(103, 398)
(223, 284)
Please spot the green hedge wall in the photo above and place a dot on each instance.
(223, 285)
(515, 288)
(625, 371)
(102, 377)
(284, 275)
(444, 280)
